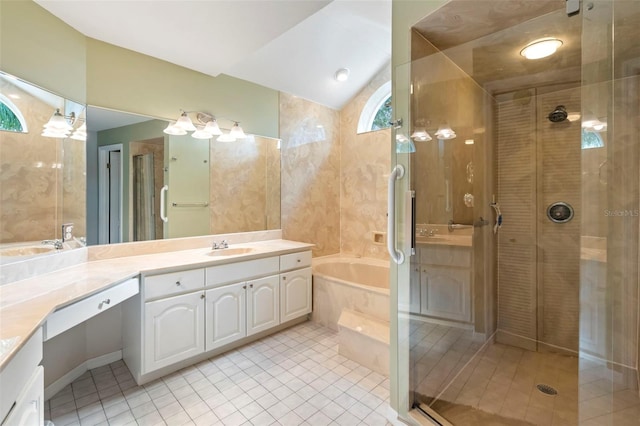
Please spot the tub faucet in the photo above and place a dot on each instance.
(57, 244)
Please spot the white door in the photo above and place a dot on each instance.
(173, 330)
(225, 315)
(295, 294)
(110, 194)
(263, 304)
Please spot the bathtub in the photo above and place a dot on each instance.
(357, 284)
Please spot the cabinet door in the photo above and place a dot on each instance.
(412, 305)
(29, 408)
(445, 292)
(263, 304)
(225, 315)
(295, 294)
(173, 330)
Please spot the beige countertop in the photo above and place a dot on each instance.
(25, 305)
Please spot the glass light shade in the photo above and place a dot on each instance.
(184, 122)
(445, 132)
(404, 144)
(201, 134)
(58, 122)
(421, 135)
(237, 132)
(541, 48)
(53, 133)
(593, 124)
(226, 137)
(79, 136)
(174, 130)
(213, 128)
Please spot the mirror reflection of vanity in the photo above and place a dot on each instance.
(213, 187)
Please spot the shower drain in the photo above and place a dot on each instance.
(547, 389)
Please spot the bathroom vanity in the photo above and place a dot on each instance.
(178, 307)
(441, 275)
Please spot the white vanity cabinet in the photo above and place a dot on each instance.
(22, 386)
(174, 329)
(188, 315)
(445, 281)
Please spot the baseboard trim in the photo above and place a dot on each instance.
(78, 371)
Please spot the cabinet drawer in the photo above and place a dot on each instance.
(446, 256)
(240, 271)
(295, 260)
(72, 315)
(176, 282)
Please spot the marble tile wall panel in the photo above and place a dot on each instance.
(365, 166)
(241, 173)
(29, 173)
(74, 186)
(310, 173)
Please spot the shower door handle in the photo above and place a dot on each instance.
(396, 174)
(163, 203)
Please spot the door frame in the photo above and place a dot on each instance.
(103, 191)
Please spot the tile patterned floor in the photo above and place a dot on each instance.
(295, 377)
(498, 385)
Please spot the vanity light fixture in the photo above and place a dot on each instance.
(541, 48)
(342, 74)
(445, 132)
(420, 134)
(404, 145)
(206, 127)
(80, 134)
(237, 132)
(59, 125)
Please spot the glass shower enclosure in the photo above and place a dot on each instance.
(518, 212)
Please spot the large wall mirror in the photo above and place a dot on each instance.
(42, 170)
(141, 183)
(152, 185)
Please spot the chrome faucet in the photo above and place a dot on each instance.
(57, 244)
(220, 245)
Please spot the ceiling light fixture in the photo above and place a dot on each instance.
(541, 48)
(342, 74)
(205, 127)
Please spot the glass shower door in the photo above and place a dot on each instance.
(550, 335)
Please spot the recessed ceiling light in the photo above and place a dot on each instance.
(342, 74)
(541, 48)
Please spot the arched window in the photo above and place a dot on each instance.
(11, 119)
(377, 112)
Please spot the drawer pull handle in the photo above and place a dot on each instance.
(298, 260)
(202, 296)
(178, 283)
(284, 278)
(106, 301)
(251, 285)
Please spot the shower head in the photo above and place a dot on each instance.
(559, 114)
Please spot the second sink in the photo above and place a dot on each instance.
(231, 251)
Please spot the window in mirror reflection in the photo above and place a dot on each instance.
(11, 118)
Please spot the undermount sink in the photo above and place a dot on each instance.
(231, 251)
(26, 251)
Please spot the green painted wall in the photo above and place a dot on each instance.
(124, 135)
(39, 48)
(124, 80)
